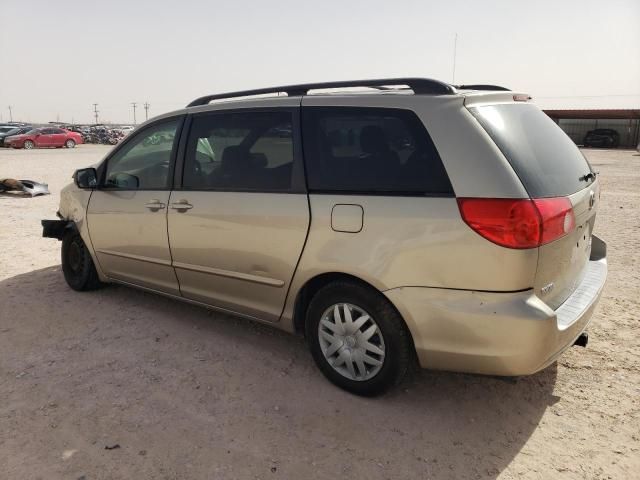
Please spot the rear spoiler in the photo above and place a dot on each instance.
(489, 98)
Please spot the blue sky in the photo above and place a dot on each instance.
(58, 58)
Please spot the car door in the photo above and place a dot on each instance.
(58, 137)
(43, 138)
(127, 214)
(239, 220)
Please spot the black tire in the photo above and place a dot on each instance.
(397, 340)
(77, 265)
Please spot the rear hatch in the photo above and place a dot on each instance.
(550, 166)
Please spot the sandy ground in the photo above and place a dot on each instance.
(188, 394)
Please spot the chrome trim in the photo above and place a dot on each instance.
(272, 282)
(140, 258)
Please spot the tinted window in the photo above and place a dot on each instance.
(144, 161)
(240, 151)
(57, 130)
(371, 150)
(542, 155)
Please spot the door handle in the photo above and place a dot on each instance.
(181, 205)
(155, 205)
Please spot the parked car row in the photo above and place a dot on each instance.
(29, 137)
(103, 135)
(21, 135)
(10, 130)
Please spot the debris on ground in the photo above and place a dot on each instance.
(29, 187)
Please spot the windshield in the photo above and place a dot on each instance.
(545, 159)
(32, 132)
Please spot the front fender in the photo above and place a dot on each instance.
(72, 213)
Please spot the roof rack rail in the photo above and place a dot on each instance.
(483, 87)
(418, 85)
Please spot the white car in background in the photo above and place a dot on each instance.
(126, 129)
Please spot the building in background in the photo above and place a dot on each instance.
(577, 123)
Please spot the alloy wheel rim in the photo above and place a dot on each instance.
(28, 145)
(351, 341)
(69, 143)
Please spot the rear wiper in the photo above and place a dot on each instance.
(588, 176)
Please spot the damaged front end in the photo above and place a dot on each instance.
(56, 228)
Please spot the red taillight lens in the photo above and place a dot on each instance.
(518, 223)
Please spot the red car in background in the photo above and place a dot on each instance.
(44, 137)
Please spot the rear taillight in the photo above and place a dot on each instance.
(518, 223)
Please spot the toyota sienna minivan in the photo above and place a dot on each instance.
(384, 220)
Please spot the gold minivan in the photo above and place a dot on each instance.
(385, 220)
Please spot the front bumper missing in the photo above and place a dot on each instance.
(55, 228)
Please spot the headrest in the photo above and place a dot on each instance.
(373, 139)
(235, 158)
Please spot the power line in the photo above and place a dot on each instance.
(146, 110)
(95, 112)
(455, 51)
(10, 114)
(133, 104)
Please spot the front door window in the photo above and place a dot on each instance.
(144, 162)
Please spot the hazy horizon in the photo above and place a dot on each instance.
(61, 58)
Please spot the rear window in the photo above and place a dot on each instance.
(367, 150)
(547, 161)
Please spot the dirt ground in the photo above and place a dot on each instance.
(120, 384)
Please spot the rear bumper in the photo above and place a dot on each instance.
(498, 333)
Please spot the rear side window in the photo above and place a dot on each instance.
(250, 151)
(545, 159)
(372, 151)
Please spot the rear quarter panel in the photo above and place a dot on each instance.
(408, 241)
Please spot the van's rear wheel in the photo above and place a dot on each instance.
(77, 265)
(357, 339)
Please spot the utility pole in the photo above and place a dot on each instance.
(95, 111)
(133, 104)
(455, 51)
(10, 114)
(146, 110)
